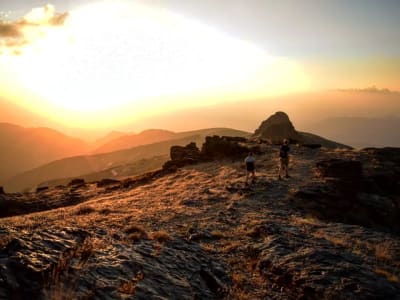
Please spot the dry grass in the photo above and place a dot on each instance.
(384, 251)
(85, 210)
(389, 276)
(129, 287)
(4, 240)
(217, 234)
(136, 232)
(161, 236)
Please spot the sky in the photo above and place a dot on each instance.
(80, 62)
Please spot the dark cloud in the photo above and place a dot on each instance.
(13, 35)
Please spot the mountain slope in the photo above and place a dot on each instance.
(22, 148)
(86, 165)
(199, 233)
(132, 140)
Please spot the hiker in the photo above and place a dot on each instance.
(284, 159)
(250, 167)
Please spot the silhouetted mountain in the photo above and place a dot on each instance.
(278, 127)
(88, 164)
(124, 141)
(113, 135)
(22, 148)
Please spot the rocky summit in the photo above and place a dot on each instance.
(196, 231)
(278, 127)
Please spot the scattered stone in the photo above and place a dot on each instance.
(77, 182)
(41, 189)
(107, 181)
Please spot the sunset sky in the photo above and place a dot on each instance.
(81, 62)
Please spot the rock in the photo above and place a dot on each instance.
(76, 182)
(353, 194)
(2, 190)
(216, 147)
(311, 146)
(277, 128)
(41, 265)
(340, 168)
(107, 181)
(301, 267)
(33, 261)
(41, 188)
(189, 151)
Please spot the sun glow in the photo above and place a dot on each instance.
(124, 56)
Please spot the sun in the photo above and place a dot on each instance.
(119, 55)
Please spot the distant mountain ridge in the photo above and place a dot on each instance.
(23, 148)
(89, 165)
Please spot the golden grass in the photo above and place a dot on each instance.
(161, 236)
(84, 210)
(384, 251)
(389, 276)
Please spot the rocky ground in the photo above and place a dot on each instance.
(200, 233)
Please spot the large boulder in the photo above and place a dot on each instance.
(216, 147)
(189, 151)
(276, 128)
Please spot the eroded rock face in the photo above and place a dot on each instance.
(33, 261)
(276, 128)
(79, 265)
(216, 147)
(364, 191)
(317, 269)
(189, 151)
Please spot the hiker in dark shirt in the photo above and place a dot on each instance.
(250, 167)
(284, 159)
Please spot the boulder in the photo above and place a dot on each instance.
(189, 151)
(352, 195)
(76, 182)
(107, 181)
(216, 147)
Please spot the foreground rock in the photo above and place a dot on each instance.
(80, 265)
(304, 267)
(364, 191)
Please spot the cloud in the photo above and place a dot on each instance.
(372, 89)
(15, 35)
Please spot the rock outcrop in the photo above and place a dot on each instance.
(365, 191)
(277, 128)
(36, 265)
(215, 147)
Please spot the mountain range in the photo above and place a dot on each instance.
(143, 146)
